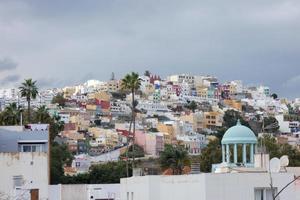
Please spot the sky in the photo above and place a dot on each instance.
(66, 42)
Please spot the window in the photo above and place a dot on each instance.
(264, 193)
(77, 164)
(18, 181)
(31, 147)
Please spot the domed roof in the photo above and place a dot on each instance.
(239, 134)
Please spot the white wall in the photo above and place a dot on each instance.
(32, 166)
(283, 125)
(229, 186)
(85, 191)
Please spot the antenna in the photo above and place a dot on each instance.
(274, 165)
(112, 76)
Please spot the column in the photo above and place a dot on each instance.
(235, 153)
(244, 154)
(227, 154)
(223, 153)
(252, 153)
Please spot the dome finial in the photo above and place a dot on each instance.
(238, 122)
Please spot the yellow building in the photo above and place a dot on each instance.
(202, 91)
(102, 96)
(113, 85)
(213, 119)
(69, 91)
(166, 128)
(80, 121)
(232, 88)
(196, 119)
(91, 107)
(233, 104)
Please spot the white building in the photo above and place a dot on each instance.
(178, 79)
(151, 107)
(24, 164)
(209, 186)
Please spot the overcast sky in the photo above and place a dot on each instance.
(63, 42)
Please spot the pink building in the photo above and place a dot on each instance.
(140, 139)
(152, 143)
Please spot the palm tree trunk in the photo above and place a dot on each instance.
(133, 132)
(127, 149)
(29, 114)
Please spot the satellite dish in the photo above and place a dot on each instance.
(284, 161)
(274, 165)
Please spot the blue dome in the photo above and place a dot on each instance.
(239, 134)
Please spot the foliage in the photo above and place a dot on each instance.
(138, 152)
(192, 106)
(29, 90)
(41, 115)
(230, 119)
(131, 82)
(110, 172)
(59, 156)
(56, 126)
(270, 124)
(277, 150)
(147, 73)
(274, 96)
(10, 115)
(83, 178)
(174, 157)
(211, 154)
(59, 99)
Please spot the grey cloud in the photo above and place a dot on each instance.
(10, 79)
(7, 64)
(256, 41)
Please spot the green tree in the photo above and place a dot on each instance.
(147, 73)
(277, 150)
(59, 156)
(55, 126)
(59, 99)
(82, 178)
(270, 124)
(110, 172)
(10, 115)
(138, 152)
(174, 157)
(29, 90)
(192, 106)
(230, 119)
(211, 154)
(132, 83)
(41, 115)
(274, 96)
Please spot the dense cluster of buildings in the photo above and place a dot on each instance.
(96, 113)
(96, 118)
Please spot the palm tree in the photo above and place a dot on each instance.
(29, 90)
(42, 114)
(174, 157)
(11, 114)
(132, 83)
